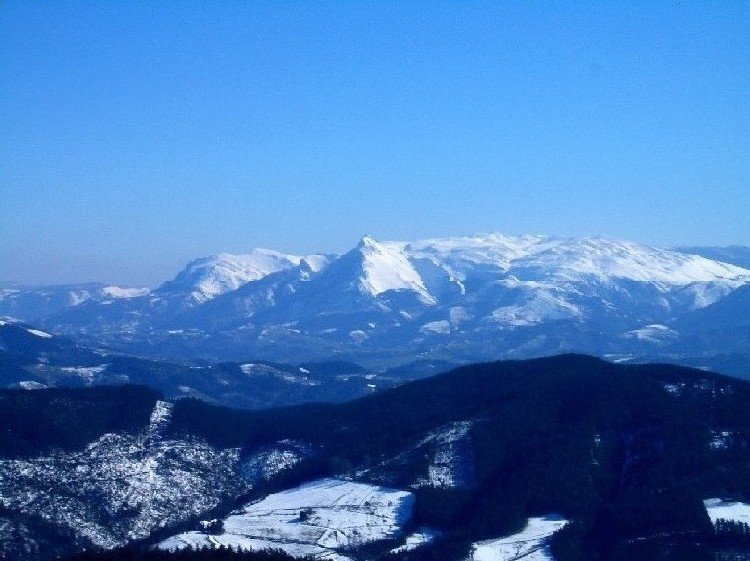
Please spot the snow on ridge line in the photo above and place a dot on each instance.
(395, 264)
(120, 292)
(208, 277)
(386, 267)
(573, 258)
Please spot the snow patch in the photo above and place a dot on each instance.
(120, 292)
(358, 335)
(87, 373)
(265, 464)
(422, 536)
(443, 327)
(727, 510)
(451, 465)
(530, 544)
(319, 518)
(654, 333)
(38, 333)
(31, 385)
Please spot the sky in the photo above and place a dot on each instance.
(139, 135)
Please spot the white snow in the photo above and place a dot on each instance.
(209, 277)
(140, 484)
(270, 461)
(728, 510)
(319, 518)
(535, 307)
(530, 544)
(441, 326)
(31, 385)
(85, 372)
(449, 452)
(386, 267)
(38, 333)
(542, 257)
(422, 536)
(674, 389)
(159, 420)
(720, 440)
(451, 463)
(654, 333)
(358, 335)
(120, 292)
(76, 298)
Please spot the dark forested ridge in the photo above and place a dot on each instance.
(624, 452)
(36, 422)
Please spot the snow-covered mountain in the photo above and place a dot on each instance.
(735, 254)
(461, 298)
(208, 277)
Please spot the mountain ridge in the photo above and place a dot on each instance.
(434, 298)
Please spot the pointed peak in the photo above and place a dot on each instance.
(367, 241)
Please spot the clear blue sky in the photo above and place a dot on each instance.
(136, 136)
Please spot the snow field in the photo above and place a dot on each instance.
(728, 510)
(530, 544)
(319, 518)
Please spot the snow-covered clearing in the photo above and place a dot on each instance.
(451, 465)
(319, 518)
(530, 544)
(38, 333)
(728, 510)
(422, 536)
(87, 373)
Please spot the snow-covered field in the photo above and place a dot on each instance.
(422, 536)
(530, 544)
(321, 518)
(728, 510)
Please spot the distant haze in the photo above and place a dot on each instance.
(140, 136)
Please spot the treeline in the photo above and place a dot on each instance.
(222, 553)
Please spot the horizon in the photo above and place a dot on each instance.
(142, 136)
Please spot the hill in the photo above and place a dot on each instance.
(622, 452)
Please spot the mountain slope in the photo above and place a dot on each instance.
(735, 254)
(206, 278)
(621, 451)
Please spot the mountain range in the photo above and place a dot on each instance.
(384, 303)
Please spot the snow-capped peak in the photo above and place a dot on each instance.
(209, 277)
(384, 266)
